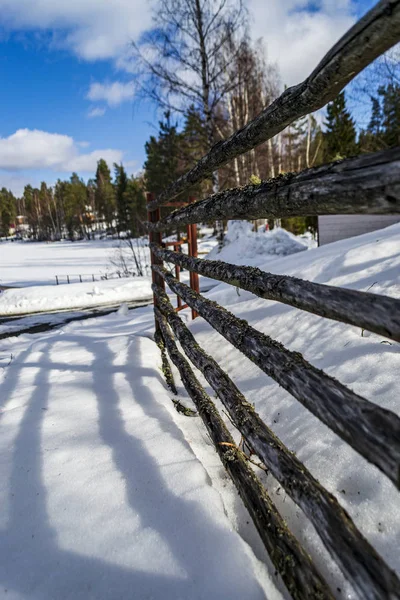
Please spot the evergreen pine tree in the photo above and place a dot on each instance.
(135, 200)
(340, 134)
(370, 140)
(105, 195)
(75, 213)
(7, 211)
(375, 124)
(391, 114)
(121, 185)
(162, 163)
(192, 147)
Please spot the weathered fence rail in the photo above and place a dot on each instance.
(375, 33)
(355, 555)
(368, 184)
(373, 431)
(379, 314)
(288, 557)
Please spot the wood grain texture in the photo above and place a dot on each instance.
(372, 431)
(290, 560)
(370, 37)
(361, 564)
(367, 184)
(379, 314)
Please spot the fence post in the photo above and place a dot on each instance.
(192, 251)
(156, 237)
(68, 278)
(56, 280)
(177, 275)
(80, 278)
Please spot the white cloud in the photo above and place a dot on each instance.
(92, 29)
(88, 162)
(96, 112)
(113, 93)
(34, 149)
(295, 38)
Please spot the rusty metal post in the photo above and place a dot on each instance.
(177, 275)
(192, 251)
(154, 216)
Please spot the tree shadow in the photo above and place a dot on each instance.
(34, 565)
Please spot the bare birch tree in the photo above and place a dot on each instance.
(182, 61)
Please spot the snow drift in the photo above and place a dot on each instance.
(243, 246)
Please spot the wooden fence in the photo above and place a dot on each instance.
(87, 277)
(368, 184)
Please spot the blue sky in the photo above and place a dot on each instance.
(66, 97)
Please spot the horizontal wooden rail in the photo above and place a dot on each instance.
(375, 33)
(293, 564)
(359, 561)
(367, 184)
(372, 431)
(379, 314)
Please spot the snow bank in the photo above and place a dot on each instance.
(74, 296)
(365, 362)
(243, 246)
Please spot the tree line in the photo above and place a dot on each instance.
(74, 209)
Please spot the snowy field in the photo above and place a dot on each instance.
(38, 263)
(107, 492)
(32, 268)
(37, 299)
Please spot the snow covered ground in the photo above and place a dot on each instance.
(74, 296)
(107, 492)
(243, 246)
(101, 490)
(37, 263)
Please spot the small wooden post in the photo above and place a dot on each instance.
(153, 216)
(57, 279)
(68, 278)
(192, 251)
(80, 278)
(177, 275)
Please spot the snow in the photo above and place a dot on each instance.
(74, 296)
(243, 246)
(102, 494)
(365, 362)
(37, 263)
(107, 492)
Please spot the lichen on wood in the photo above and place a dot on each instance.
(290, 560)
(370, 576)
(367, 184)
(379, 314)
(165, 366)
(371, 430)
